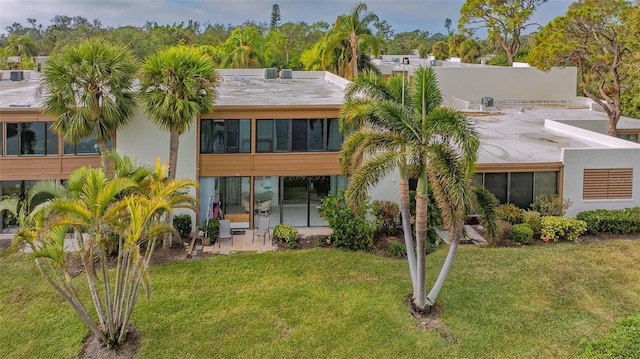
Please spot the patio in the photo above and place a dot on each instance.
(242, 241)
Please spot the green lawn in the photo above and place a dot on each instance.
(534, 302)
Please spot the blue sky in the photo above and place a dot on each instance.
(403, 15)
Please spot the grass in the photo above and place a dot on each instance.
(533, 302)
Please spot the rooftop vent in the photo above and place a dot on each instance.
(270, 73)
(286, 74)
(487, 101)
(17, 75)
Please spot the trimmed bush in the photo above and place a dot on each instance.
(182, 224)
(351, 228)
(521, 233)
(285, 233)
(387, 214)
(533, 220)
(562, 228)
(509, 212)
(551, 205)
(211, 229)
(619, 221)
(397, 249)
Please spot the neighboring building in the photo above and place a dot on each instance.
(538, 137)
(271, 147)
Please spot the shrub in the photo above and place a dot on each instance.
(521, 233)
(551, 205)
(621, 221)
(211, 229)
(505, 231)
(510, 212)
(397, 249)
(182, 224)
(532, 219)
(351, 228)
(387, 214)
(561, 228)
(285, 233)
(623, 342)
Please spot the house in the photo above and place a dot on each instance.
(271, 147)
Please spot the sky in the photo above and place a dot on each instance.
(403, 15)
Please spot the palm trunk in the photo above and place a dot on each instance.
(421, 239)
(174, 142)
(107, 164)
(444, 271)
(405, 213)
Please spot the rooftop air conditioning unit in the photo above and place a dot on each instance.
(405, 61)
(286, 74)
(487, 101)
(270, 73)
(433, 63)
(17, 75)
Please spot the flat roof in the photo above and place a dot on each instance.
(525, 133)
(237, 88)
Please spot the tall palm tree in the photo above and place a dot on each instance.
(243, 48)
(22, 45)
(177, 85)
(88, 90)
(354, 29)
(403, 126)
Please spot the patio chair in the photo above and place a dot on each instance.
(262, 230)
(225, 231)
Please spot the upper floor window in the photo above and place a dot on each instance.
(225, 136)
(298, 135)
(30, 139)
(87, 146)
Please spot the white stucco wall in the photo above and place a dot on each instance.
(145, 142)
(387, 189)
(506, 83)
(577, 160)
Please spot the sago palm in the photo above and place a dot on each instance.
(88, 90)
(403, 127)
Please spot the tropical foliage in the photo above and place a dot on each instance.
(97, 208)
(88, 90)
(403, 128)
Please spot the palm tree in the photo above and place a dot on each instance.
(177, 85)
(22, 45)
(243, 48)
(404, 127)
(88, 90)
(100, 209)
(354, 30)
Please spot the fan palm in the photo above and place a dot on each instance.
(177, 85)
(87, 89)
(403, 127)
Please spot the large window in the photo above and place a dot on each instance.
(225, 136)
(519, 188)
(298, 135)
(30, 139)
(87, 146)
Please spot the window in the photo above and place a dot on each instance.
(87, 146)
(225, 136)
(519, 188)
(633, 137)
(298, 135)
(31, 139)
(607, 183)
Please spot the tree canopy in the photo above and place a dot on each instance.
(503, 19)
(593, 36)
